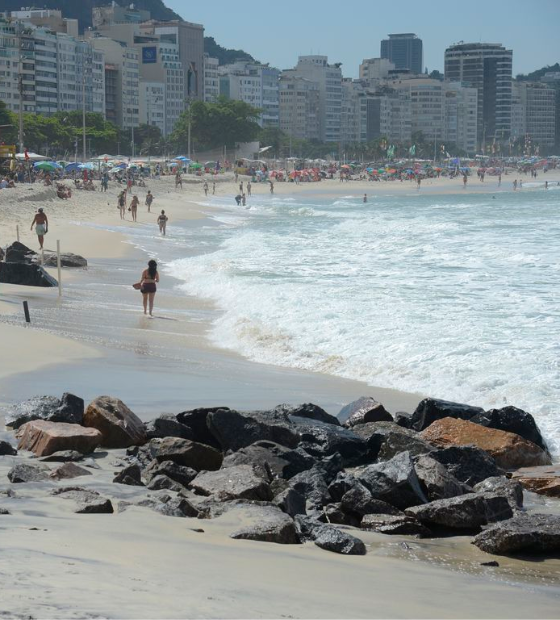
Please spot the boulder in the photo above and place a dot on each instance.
(130, 475)
(342, 483)
(313, 484)
(272, 458)
(3, 511)
(333, 513)
(197, 421)
(238, 482)
(273, 526)
(6, 449)
(234, 430)
(161, 481)
(179, 473)
(509, 450)
(23, 472)
(329, 537)
(177, 507)
(68, 259)
(291, 502)
(119, 426)
(468, 464)
(359, 501)
(63, 456)
(501, 485)
(167, 426)
(45, 438)
(67, 471)
(365, 409)
(309, 411)
(394, 524)
(26, 275)
(541, 480)
(512, 420)
(466, 512)
(394, 481)
(69, 409)
(524, 533)
(387, 439)
(192, 454)
(431, 409)
(88, 501)
(404, 419)
(19, 253)
(436, 481)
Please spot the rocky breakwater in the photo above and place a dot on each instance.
(298, 474)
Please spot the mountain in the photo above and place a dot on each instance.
(225, 56)
(535, 76)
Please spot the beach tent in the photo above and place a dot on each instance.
(31, 157)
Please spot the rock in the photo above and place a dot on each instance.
(6, 449)
(167, 426)
(359, 501)
(161, 481)
(465, 512)
(541, 480)
(179, 473)
(197, 421)
(502, 486)
(386, 439)
(234, 430)
(119, 426)
(45, 438)
(404, 419)
(66, 260)
(69, 409)
(19, 253)
(431, 409)
(69, 470)
(63, 456)
(394, 481)
(321, 440)
(365, 409)
(271, 457)
(309, 411)
(492, 563)
(131, 475)
(273, 526)
(468, 464)
(313, 485)
(394, 524)
(3, 511)
(26, 275)
(333, 513)
(524, 533)
(291, 502)
(178, 507)
(436, 481)
(509, 450)
(238, 482)
(329, 537)
(89, 501)
(192, 454)
(23, 472)
(342, 483)
(210, 508)
(512, 420)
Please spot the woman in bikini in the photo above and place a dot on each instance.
(148, 288)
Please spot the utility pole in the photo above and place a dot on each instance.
(189, 128)
(20, 133)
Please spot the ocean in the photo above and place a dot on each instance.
(451, 296)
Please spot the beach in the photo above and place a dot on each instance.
(95, 340)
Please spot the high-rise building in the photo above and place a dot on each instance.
(536, 102)
(211, 78)
(486, 67)
(47, 18)
(405, 51)
(552, 79)
(353, 118)
(373, 70)
(389, 115)
(299, 106)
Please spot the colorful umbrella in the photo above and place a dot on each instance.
(49, 166)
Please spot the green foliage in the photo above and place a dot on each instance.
(8, 135)
(218, 124)
(225, 56)
(436, 75)
(535, 76)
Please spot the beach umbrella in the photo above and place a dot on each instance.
(88, 166)
(72, 167)
(47, 165)
(195, 166)
(182, 158)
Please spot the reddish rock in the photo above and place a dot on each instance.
(119, 426)
(541, 480)
(508, 449)
(69, 470)
(45, 438)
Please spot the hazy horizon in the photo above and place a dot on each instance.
(350, 36)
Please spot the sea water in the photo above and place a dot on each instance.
(451, 296)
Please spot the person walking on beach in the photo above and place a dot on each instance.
(205, 188)
(271, 187)
(248, 188)
(149, 200)
(134, 207)
(546, 184)
(365, 198)
(243, 200)
(162, 222)
(178, 180)
(515, 185)
(213, 188)
(121, 203)
(500, 180)
(465, 179)
(41, 223)
(148, 286)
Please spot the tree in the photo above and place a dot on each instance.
(8, 125)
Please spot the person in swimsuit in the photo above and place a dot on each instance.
(121, 203)
(162, 222)
(41, 223)
(148, 287)
(134, 207)
(149, 200)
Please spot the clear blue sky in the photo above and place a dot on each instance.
(277, 32)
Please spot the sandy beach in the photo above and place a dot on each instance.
(139, 564)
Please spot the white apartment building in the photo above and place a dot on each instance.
(534, 112)
(461, 116)
(373, 70)
(153, 104)
(211, 79)
(354, 112)
(299, 106)
(389, 116)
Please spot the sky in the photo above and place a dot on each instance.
(348, 32)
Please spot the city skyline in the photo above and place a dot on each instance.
(326, 31)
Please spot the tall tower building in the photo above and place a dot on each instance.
(405, 51)
(486, 67)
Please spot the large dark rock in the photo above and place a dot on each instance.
(273, 525)
(234, 430)
(359, 501)
(6, 449)
(329, 537)
(272, 458)
(197, 421)
(310, 411)
(161, 482)
(238, 482)
(321, 440)
(167, 426)
(291, 502)
(513, 420)
(394, 524)
(333, 513)
(468, 464)
(387, 439)
(88, 501)
(192, 454)
(23, 472)
(365, 409)
(73, 261)
(63, 456)
(19, 253)
(466, 512)
(431, 409)
(436, 481)
(524, 533)
(313, 483)
(503, 486)
(68, 409)
(26, 275)
(394, 481)
(67, 471)
(131, 475)
(179, 473)
(118, 425)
